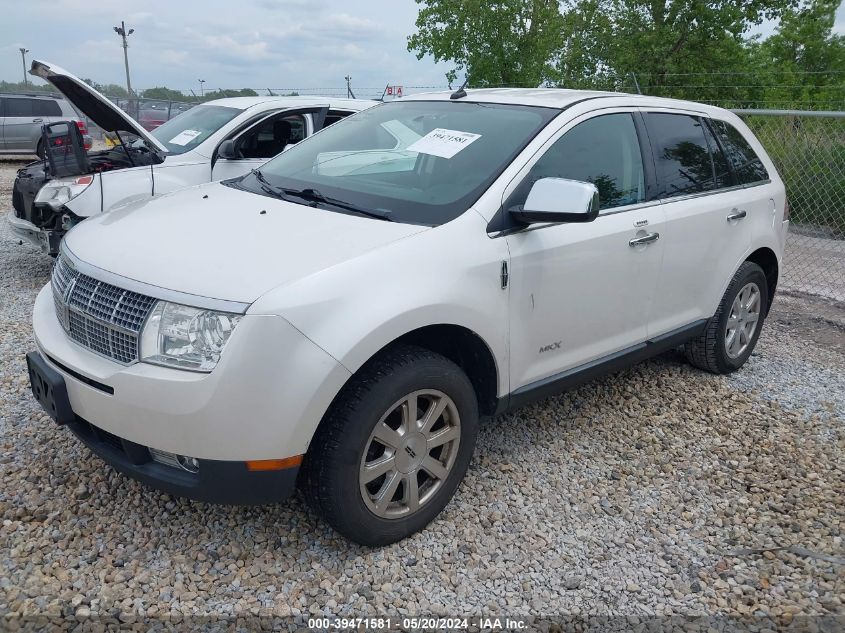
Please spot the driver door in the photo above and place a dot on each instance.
(267, 138)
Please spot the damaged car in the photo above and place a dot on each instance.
(216, 140)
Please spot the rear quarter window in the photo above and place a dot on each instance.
(747, 166)
(45, 107)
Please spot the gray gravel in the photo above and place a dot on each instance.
(633, 495)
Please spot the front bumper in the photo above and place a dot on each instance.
(264, 399)
(216, 481)
(26, 230)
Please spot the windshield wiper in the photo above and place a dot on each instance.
(313, 195)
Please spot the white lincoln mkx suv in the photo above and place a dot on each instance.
(340, 319)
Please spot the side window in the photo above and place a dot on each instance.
(269, 138)
(18, 107)
(746, 164)
(681, 155)
(334, 116)
(604, 150)
(722, 169)
(45, 107)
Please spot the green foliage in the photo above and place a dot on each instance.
(111, 90)
(691, 49)
(810, 157)
(11, 86)
(165, 94)
(220, 94)
(495, 42)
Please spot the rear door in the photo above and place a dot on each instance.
(705, 236)
(267, 138)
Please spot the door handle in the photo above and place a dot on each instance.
(37, 120)
(736, 214)
(645, 239)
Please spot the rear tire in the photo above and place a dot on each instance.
(393, 447)
(39, 149)
(732, 333)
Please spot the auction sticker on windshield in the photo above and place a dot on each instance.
(184, 137)
(443, 143)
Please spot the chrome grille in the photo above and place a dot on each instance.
(102, 317)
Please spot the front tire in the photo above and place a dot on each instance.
(732, 333)
(393, 447)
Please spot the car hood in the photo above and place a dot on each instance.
(105, 114)
(218, 242)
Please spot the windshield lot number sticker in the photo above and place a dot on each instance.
(443, 143)
(184, 137)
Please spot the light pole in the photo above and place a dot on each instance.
(202, 81)
(24, 51)
(121, 30)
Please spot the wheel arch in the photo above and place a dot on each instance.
(464, 347)
(766, 259)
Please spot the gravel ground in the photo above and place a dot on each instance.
(661, 490)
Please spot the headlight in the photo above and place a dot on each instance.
(185, 337)
(57, 193)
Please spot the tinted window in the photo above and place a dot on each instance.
(18, 107)
(604, 151)
(45, 107)
(681, 156)
(747, 165)
(722, 169)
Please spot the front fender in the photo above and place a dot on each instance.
(450, 275)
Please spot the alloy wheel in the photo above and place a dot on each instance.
(742, 320)
(410, 453)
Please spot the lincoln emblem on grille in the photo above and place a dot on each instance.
(97, 315)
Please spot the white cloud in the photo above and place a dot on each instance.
(250, 43)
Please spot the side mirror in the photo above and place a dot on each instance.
(559, 200)
(227, 150)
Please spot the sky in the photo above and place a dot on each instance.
(248, 43)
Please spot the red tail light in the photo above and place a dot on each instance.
(83, 127)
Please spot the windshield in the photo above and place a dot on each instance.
(419, 162)
(189, 129)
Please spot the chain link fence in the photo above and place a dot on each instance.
(808, 148)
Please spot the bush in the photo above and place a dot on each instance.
(809, 153)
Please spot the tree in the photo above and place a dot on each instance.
(805, 56)
(165, 94)
(222, 93)
(110, 90)
(495, 42)
(661, 39)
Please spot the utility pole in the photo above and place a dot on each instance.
(202, 92)
(121, 30)
(349, 93)
(24, 51)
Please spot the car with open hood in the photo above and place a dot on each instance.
(215, 140)
(341, 318)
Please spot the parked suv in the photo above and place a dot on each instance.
(216, 140)
(21, 118)
(341, 318)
